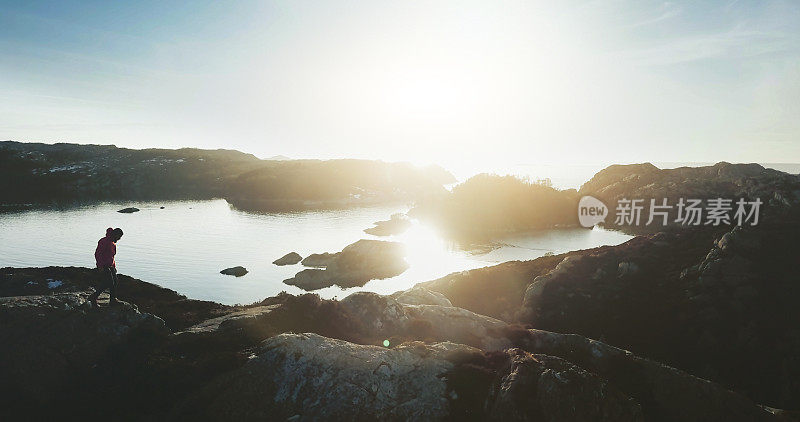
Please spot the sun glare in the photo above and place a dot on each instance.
(428, 252)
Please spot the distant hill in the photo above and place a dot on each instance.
(298, 184)
(777, 190)
(278, 158)
(40, 174)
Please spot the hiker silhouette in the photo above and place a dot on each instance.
(106, 266)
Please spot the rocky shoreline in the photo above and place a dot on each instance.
(410, 355)
(685, 324)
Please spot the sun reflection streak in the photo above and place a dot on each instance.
(428, 252)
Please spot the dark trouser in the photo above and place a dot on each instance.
(107, 280)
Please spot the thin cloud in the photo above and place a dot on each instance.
(731, 5)
(736, 44)
(80, 126)
(668, 10)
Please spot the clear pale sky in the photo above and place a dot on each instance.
(462, 81)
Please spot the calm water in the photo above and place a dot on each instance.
(184, 246)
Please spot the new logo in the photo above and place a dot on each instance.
(591, 211)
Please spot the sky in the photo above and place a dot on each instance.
(508, 82)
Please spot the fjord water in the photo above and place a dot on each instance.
(185, 245)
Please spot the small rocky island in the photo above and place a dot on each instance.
(355, 265)
(290, 258)
(237, 271)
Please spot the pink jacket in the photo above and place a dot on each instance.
(106, 249)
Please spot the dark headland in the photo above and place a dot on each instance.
(61, 174)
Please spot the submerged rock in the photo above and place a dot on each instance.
(235, 271)
(290, 258)
(129, 210)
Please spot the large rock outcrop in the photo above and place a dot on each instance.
(496, 291)
(742, 306)
(715, 302)
(384, 317)
(52, 345)
(175, 309)
(718, 304)
(541, 387)
(314, 377)
(380, 316)
(419, 295)
(117, 361)
(665, 393)
(308, 377)
(249, 321)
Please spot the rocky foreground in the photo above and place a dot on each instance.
(411, 355)
(720, 304)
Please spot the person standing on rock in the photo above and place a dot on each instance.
(106, 266)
